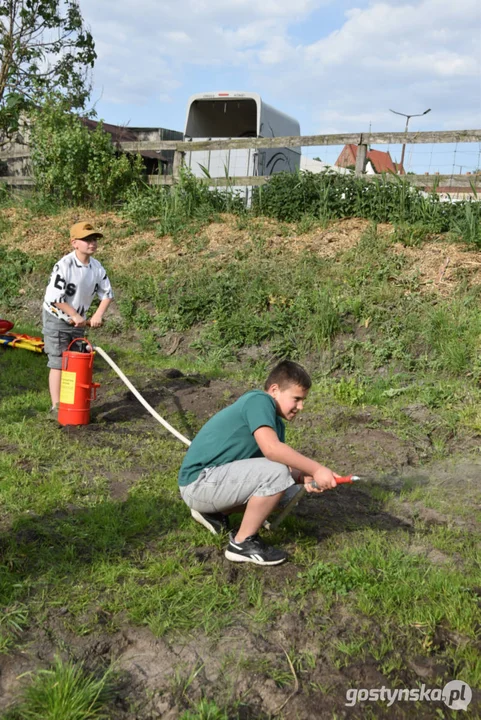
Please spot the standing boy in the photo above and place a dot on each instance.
(240, 461)
(74, 282)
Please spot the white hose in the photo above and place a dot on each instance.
(139, 396)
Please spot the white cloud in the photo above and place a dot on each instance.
(145, 47)
(431, 35)
(409, 55)
(178, 37)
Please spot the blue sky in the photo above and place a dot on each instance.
(335, 65)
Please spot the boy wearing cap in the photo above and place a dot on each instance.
(76, 279)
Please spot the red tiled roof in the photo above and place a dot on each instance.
(381, 161)
(353, 151)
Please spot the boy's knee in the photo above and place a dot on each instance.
(276, 480)
(281, 471)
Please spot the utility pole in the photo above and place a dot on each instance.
(408, 117)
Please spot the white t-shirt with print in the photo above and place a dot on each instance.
(77, 284)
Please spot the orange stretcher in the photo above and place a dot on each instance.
(23, 342)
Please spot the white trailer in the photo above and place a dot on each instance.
(225, 115)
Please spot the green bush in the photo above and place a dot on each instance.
(292, 196)
(77, 165)
(171, 208)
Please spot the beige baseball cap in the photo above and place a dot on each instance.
(82, 230)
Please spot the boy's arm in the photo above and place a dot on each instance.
(77, 320)
(273, 449)
(96, 319)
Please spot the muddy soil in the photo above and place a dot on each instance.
(171, 392)
(162, 678)
(152, 672)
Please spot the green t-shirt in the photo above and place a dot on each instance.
(229, 435)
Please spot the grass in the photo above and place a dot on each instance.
(205, 710)
(65, 691)
(135, 561)
(80, 561)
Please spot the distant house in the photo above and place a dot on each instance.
(318, 166)
(376, 162)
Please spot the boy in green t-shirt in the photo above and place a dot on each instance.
(239, 461)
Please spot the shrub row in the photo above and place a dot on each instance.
(291, 196)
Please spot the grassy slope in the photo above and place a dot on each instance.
(93, 533)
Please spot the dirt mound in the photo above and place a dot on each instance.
(45, 234)
(441, 266)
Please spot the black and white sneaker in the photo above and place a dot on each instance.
(216, 523)
(254, 550)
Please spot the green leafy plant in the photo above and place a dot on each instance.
(75, 164)
(329, 578)
(170, 209)
(293, 197)
(205, 710)
(350, 391)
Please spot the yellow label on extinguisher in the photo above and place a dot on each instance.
(67, 387)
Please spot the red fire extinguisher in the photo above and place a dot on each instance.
(76, 384)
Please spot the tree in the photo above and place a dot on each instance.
(44, 45)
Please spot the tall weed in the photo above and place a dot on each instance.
(170, 209)
(290, 196)
(467, 223)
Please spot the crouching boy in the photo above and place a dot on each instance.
(239, 461)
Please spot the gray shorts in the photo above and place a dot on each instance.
(228, 486)
(57, 335)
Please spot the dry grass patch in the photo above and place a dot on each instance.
(441, 265)
(44, 235)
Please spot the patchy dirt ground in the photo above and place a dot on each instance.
(148, 668)
(159, 678)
